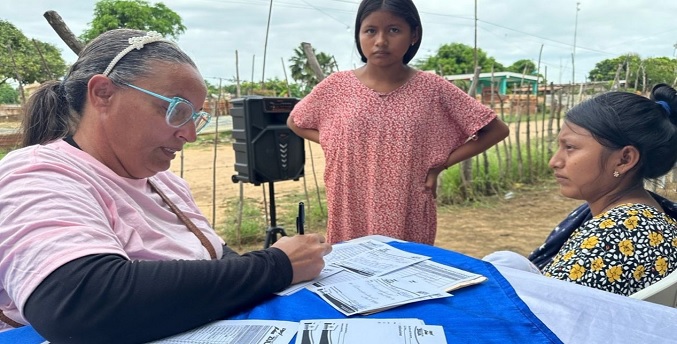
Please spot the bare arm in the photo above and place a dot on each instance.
(308, 134)
(489, 135)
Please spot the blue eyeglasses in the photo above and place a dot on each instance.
(180, 111)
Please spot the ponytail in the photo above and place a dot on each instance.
(47, 115)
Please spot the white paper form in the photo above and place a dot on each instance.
(377, 293)
(444, 277)
(380, 261)
(341, 276)
(359, 331)
(325, 274)
(348, 250)
(237, 332)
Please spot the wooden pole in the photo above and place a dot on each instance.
(54, 19)
(17, 75)
(265, 45)
(312, 60)
(237, 75)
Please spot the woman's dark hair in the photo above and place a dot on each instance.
(619, 119)
(55, 109)
(404, 9)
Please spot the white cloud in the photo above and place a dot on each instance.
(507, 30)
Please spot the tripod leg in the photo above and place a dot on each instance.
(271, 235)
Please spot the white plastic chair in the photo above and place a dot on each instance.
(663, 292)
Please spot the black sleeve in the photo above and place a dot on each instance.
(108, 299)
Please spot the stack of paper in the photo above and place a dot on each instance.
(359, 331)
(323, 331)
(370, 276)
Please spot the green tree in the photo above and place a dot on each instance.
(523, 66)
(133, 14)
(606, 69)
(458, 58)
(660, 70)
(28, 57)
(301, 71)
(8, 95)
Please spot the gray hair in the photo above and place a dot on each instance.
(55, 109)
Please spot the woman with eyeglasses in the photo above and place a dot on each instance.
(100, 243)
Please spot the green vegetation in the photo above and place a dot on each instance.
(8, 95)
(133, 14)
(34, 60)
(253, 225)
(493, 175)
(206, 140)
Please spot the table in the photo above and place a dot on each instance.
(512, 306)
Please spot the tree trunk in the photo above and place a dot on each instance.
(54, 19)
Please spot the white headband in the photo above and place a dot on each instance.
(136, 43)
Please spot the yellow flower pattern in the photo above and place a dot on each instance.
(631, 222)
(590, 242)
(620, 251)
(639, 272)
(614, 273)
(647, 213)
(626, 247)
(661, 265)
(608, 223)
(655, 239)
(597, 264)
(576, 272)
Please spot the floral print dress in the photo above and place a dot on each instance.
(379, 147)
(623, 250)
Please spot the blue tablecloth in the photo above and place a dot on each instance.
(490, 312)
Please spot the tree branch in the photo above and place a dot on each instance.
(54, 19)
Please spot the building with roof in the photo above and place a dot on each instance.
(503, 81)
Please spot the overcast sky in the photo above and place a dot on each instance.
(507, 30)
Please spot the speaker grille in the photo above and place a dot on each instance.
(266, 150)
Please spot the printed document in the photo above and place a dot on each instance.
(237, 332)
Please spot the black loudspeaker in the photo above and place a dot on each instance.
(266, 150)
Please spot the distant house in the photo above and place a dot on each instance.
(502, 81)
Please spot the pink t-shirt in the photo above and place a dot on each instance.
(58, 203)
(379, 147)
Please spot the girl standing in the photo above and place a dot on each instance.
(388, 130)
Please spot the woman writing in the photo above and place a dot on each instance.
(101, 244)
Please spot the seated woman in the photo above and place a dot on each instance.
(100, 243)
(623, 238)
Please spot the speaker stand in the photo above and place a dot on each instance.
(273, 231)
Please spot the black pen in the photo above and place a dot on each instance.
(300, 219)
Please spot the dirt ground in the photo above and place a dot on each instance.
(519, 223)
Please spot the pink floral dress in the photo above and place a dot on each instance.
(379, 147)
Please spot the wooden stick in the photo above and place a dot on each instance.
(54, 19)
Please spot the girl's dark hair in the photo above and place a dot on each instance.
(404, 9)
(619, 119)
(55, 109)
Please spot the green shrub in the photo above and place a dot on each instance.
(252, 228)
